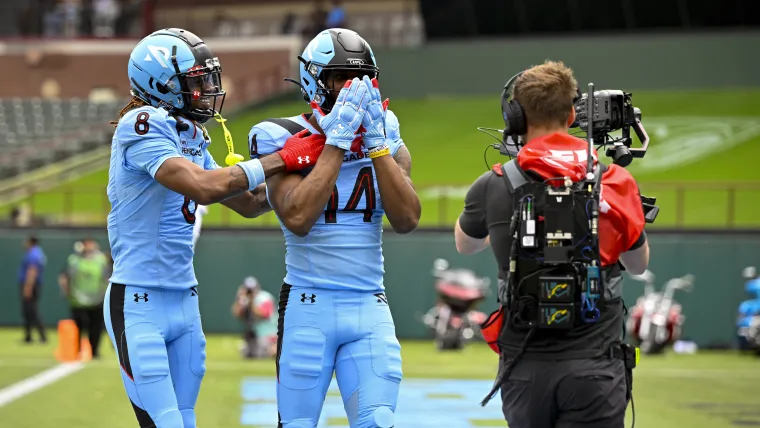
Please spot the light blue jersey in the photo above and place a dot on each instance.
(150, 228)
(343, 250)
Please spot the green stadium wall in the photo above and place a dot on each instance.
(224, 258)
(629, 62)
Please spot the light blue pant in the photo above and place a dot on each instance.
(161, 350)
(348, 333)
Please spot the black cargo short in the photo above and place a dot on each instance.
(566, 394)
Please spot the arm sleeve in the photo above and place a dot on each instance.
(392, 132)
(148, 137)
(266, 138)
(472, 221)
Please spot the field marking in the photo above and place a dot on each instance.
(37, 382)
(484, 371)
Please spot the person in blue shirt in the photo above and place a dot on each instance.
(160, 171)
(333, 312)
(30, 281)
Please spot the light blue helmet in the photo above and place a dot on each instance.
(174, 69)
(332, 51)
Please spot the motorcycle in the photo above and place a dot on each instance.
(656, 320)
(748, 320)
(454, 320)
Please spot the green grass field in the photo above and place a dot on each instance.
(702, 142)
(706, 390)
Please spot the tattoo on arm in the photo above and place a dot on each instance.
(404, 160)
(238, 181)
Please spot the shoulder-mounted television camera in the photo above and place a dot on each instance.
(612, 110)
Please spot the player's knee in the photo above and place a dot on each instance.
(169, 419)
(149, 360)
(300, 423)
(188, 418)
(379, 417)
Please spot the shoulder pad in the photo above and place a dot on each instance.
(146, 122)
(497, 169)
(266, 138)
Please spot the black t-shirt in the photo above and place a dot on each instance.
(488, 212)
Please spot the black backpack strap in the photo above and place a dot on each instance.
(514, 176)
(291, 126)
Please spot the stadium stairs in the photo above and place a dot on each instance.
(47, 142)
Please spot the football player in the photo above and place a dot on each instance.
(160, 170)
(334, 315)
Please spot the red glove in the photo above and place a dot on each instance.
(302, 150)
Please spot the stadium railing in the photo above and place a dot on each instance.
(683, 206)
(35, 132)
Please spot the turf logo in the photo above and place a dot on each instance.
(678, 141)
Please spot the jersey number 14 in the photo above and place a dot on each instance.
(364, 186)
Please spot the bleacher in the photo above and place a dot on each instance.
(36, 132)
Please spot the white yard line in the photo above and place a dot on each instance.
(38, 381)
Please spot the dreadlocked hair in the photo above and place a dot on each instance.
(135, 102)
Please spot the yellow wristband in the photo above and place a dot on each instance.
(381, 152)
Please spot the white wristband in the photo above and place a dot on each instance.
(254, 171)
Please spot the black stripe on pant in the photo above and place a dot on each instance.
(116, 305)
(282, 305)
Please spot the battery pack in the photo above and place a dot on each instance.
(558, 316)
(557, 289)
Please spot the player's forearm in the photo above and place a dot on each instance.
(303, 205)
(224, 183)
(400, 201)
(250, 204)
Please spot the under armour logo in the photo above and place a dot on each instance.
(138, 297)
(193, 291)
(312, 298)
(304, 159)
(381, 298)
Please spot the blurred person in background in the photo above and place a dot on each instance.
(255, 308)
(30, 280)
(578, 375)
(84, 281)
(336, 17)
(160, 170)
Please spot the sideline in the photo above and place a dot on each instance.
(37, 382)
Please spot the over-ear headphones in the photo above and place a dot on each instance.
(515, 122)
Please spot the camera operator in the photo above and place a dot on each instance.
(255, 307)
(554, 377)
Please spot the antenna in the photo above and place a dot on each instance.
(590, 132)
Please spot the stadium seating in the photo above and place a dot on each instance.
(36, 132)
